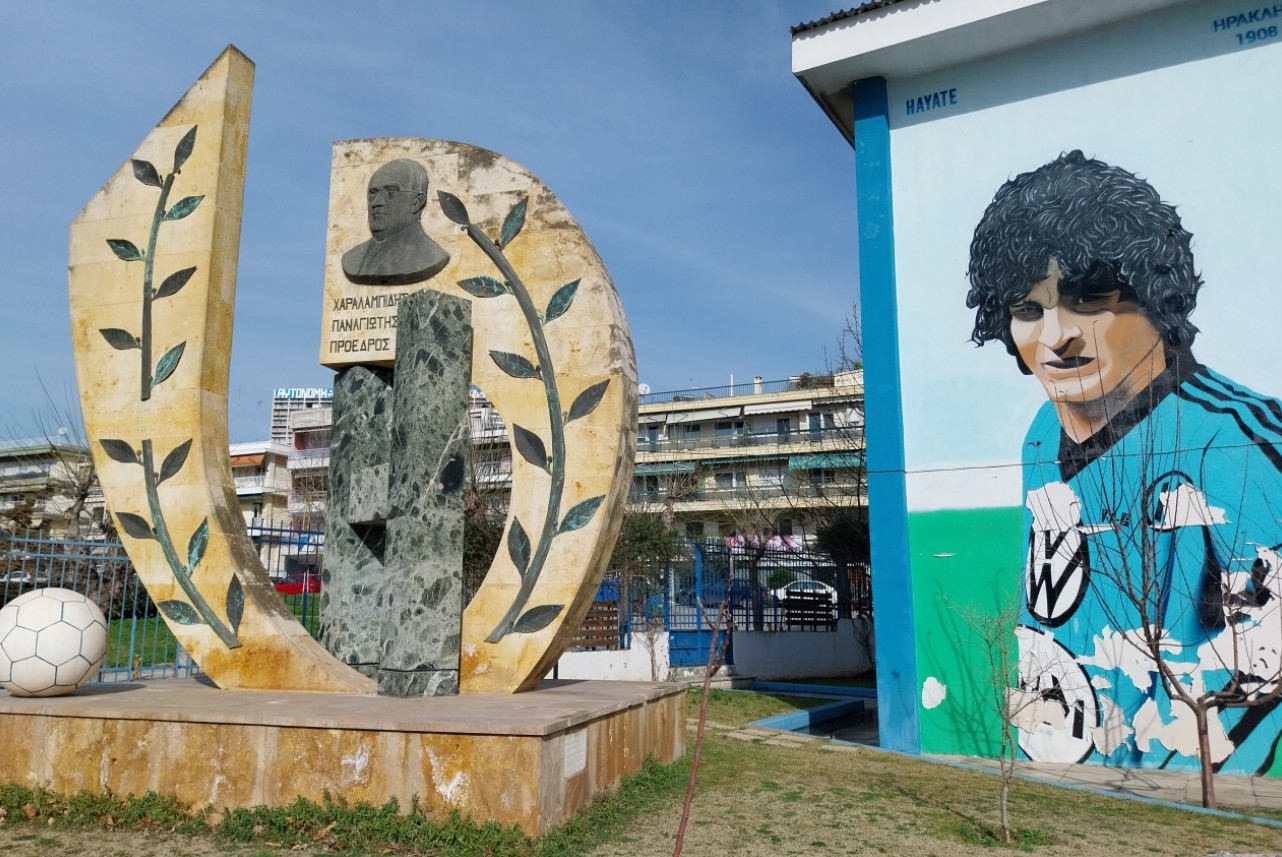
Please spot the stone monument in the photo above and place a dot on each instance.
(444, 263)
(550, 349)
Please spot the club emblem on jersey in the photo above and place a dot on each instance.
(1058, 569)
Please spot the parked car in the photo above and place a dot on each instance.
(714, 592)
(22, 578)
(806, 587)
(298, 583)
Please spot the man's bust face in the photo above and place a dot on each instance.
(393, 202)
(1083, 347)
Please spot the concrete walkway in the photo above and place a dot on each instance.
(1238, 793)
(1233, 792)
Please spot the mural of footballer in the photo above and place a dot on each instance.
(1143, 467)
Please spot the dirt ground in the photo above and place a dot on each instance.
(24, 841)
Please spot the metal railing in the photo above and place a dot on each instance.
(699, 394)
(752, 581)
(840, 490)
(139, 644)
(843, 437)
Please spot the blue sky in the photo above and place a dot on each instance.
(718, 194)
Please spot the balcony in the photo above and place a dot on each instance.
(840, 437)
(248, 486)
(308, 459)
(845, 381)
(846, 492)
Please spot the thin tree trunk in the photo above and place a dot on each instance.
(716, 655)
(1008, 774)
(1204, 756)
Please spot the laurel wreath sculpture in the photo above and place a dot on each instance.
(528, 557)
(199, 611)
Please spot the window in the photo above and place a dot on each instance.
(694, 531)
(816, 427)
(726, 432)
(772, 477)
(730, 480)
(783, 427)
(690, 435)
(646, 487)
(785, 526)
(823, 476)
(725, 530)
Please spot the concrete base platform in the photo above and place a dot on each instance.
(531, 759)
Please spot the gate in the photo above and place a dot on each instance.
(691, 611)
(759, 583)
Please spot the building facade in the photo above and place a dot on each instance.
(310, 430)
(48, 484)
(288, 400)
(770, 459)
(260, 473)
(1080, 188)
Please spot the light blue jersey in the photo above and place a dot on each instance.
(1185, 483)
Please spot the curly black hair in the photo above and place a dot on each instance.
(1106, 228)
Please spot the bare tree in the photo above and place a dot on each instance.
(848, 351)
(58, 457)
(716, 657)
(753, 512)
(1003, 695)
(834, 504)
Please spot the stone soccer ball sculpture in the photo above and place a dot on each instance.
(51, 642)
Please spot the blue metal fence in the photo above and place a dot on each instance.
(682, 598)
(139, 643)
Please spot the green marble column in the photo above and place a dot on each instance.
(356, 514)
(421, 592)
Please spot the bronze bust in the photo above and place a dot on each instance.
(399, 252)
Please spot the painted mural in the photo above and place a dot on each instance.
(1152, 484)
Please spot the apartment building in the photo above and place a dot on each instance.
(760, 459)
(47, 484)
(288, 400)
(765, 458)
(261, 476)
(310, 430)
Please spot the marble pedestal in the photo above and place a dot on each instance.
(532, 759)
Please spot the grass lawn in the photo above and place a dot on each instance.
(149, 642)
(740, 707)
(146, 640)
(754, 799)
